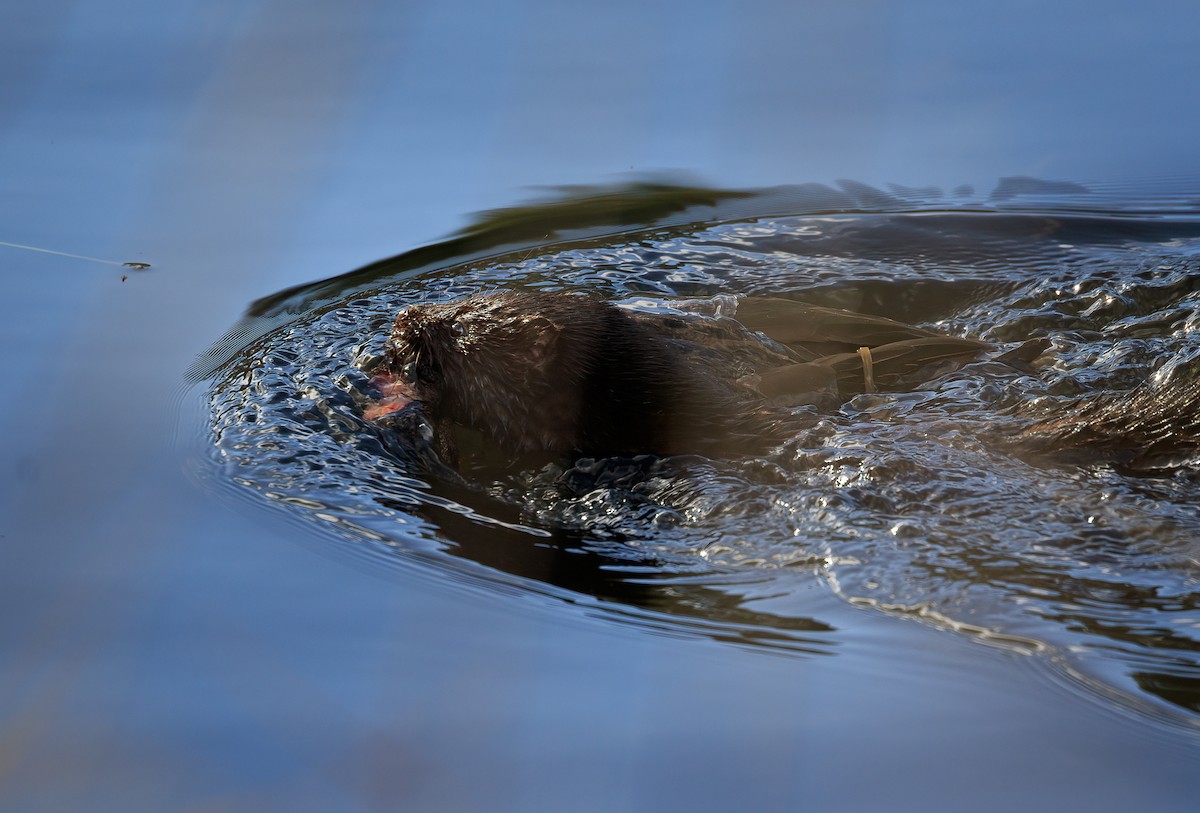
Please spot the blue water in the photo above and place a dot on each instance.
(168, 644)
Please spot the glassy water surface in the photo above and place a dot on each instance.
(222, 588)
(927, 504)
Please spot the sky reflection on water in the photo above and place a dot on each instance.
(163, 650)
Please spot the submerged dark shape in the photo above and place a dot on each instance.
(543, 375)
(546, 373)
(554, 374)
(1148, 430)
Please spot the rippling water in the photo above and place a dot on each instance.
(920, 504)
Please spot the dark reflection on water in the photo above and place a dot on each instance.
(918, 504)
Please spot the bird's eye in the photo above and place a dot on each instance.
(409, 372)
(457, 328)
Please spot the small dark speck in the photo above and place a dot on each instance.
(124, 277)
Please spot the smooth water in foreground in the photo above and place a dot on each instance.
(920, 505)
(222, 589)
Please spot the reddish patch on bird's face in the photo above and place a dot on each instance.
(395, 394)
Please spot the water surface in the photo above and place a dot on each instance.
(925, 504)
(194, 621)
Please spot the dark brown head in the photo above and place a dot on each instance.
(510, 365)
